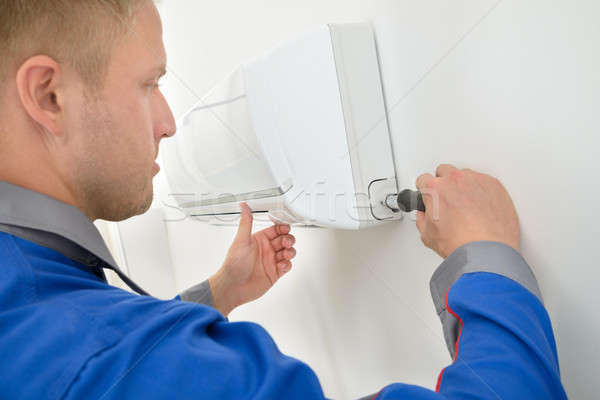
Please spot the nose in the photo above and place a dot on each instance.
(165, 125)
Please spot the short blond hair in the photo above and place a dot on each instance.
(78, 32)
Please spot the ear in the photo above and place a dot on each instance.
(39, 87)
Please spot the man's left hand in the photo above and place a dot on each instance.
(253, 263)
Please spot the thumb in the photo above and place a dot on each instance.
(245, 228)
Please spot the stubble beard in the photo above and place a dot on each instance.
(105, 190)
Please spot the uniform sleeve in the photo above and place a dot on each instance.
(496, 329)
(199, 293)
(180, 350)
(494, 322)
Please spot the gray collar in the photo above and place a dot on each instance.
(51, 223)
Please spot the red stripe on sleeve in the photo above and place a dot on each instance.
(439, 381)
(377, 395)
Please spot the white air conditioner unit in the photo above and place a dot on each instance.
(300, 133)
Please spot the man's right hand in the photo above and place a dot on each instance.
(464, 206)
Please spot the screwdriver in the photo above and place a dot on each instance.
(407, 201)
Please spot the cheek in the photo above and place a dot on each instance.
(111, 155)
(114, 144)
(133, 129)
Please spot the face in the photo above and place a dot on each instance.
(115, 133)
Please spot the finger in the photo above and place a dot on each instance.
(421, 220)
(284, 267)
(283, 229)
(422, 227)
(286, 254)
(245, 227)
(283, 241)
(276, 230)
(423, 179)
(444, 170)
(430, 196)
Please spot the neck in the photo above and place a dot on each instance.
(34, 174)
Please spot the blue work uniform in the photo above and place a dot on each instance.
(65, 333)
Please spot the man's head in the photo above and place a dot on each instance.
(81, 116)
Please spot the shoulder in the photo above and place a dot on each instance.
(55, 318)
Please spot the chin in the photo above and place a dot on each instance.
(130, 207)
(147, 201)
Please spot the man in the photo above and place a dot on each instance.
(80, 123)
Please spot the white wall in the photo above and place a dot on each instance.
(506, 87)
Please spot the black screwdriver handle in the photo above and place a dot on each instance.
(411, 200)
